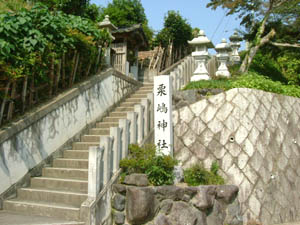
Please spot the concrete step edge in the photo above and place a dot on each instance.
(59, 179)
(55, 191)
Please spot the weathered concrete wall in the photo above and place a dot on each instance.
(255, 137)
(31, 140)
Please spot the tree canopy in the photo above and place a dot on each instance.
(125, 13)
(176, 29)
(256, 15)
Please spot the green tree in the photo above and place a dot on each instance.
(125, 13)
(177, 31)
(255, 12)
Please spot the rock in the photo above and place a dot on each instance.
(140, 204)
(170, 192)
(204, 199)
(178, 174)
(191, 191)
(217, 215)
(227, 193)
(166, 206)
(119, 202)
(182, 213)
(119, 217)
(119, 188)
(161, 220)
(136, 179)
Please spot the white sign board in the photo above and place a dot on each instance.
(163, 114)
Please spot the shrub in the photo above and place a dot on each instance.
(158, 167)
(248, 80)
(198, 175)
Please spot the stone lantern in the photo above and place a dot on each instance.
(223, 50)
(106, 24)
(235, 45)
(202, 44)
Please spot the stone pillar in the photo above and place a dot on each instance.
(105, 143)
(94, 173)
(146, 115)
(115, 132)
(139, 109)
(235, 45)
(125, 135)
(132, 117)
(150, 97)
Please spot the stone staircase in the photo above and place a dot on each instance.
(62, 188)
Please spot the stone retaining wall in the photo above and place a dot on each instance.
(137, 203)
(255, 137)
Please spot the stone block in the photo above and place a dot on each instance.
(136, 179)
(227, 193)
(181, 213)
(119, 217)
(119, 202)
(140, 204)
(204, 199)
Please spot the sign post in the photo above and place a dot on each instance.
(163, 114)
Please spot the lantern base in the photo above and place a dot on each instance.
(200, 77)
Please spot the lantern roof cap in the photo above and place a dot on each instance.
(223, 45)
(201, 39)
(235, 37)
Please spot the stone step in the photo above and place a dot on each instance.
(106, 125)
(147, 88)
(71, 163)
(112, 119)
(143, 92)
(65, 173)
(84, 145)
(41, 195)
(138, 96)
(124, 109)
(134, 100)
(60, 184)
(90, 138)
(118, 114)
(43, 209)
(129, 104)
(99, 131)
(76, 154)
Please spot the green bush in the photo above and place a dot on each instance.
(248, 80)
(158, 167)
(198, 175)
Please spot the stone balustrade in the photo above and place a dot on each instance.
(104, 159)
(181, 72)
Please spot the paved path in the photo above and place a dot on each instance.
(12, 218)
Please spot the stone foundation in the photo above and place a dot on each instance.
(174, 205)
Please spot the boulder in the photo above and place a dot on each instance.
(119, 202)
(182, 213)
(140, 204)
(170, 192)
(119, 218)
(136, 179)
(204, 199)
(227, 193)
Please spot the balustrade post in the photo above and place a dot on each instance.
(94, 172)
(173, 75)
(132, 117)
(139, 109)
(105, 142)
(150, 97)
(124, 125)
(115, 132)
(145, 104)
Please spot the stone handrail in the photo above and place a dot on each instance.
(33, 141)
(180, 72)
(104, 159)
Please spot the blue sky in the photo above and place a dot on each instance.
(215, 23)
